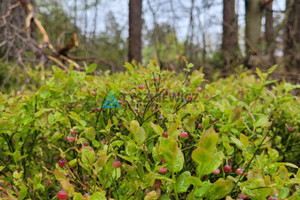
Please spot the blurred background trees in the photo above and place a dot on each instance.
(218, 35)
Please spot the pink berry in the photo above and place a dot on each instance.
(165, 134)
(188, 84)
(162, 170)
(117, 164)
(157, 184)
(93, 109)
(216, 171)
(227, 168)
(75, 132)
(98, 109)
(156, 79)
(200, 126)
(93, 92)
(242, 196)
(207, 97)
(156, 109)
(240, 91)
(141, 86)
(190, 98)
(291, 128)
(239, 171)
(79, 105)
(199, 89)
(62, 195)
(61, 163)
(70, 138)
(183, 134)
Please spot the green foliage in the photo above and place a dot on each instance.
(244, 124)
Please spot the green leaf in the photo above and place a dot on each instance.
(201, 190)
(262, 121)
(201, 156)
(129, 67)
(157, 129)
(91, 68)
(193, 181)
(101, 161)
(283, 193)
(77, 196)
(209, 140)
(181, 184)
(236, 113)
(219, 189)
(23, 192)
(271, 69)
(238, 143)
(172, 153)
(88, 157)
(77, 118)
(59, 175)
(98, 196)
(90, 133)
(244, 140)
(1, 168)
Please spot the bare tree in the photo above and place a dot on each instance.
(135, 31)
(230, 30)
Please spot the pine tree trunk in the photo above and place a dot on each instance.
(230, 30)
(297, 35)
(135, 31)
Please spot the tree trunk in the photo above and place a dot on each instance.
(254, 13)
(297, 34)
(289, 36)
(269, 33)
(230, 30)
(135, 31)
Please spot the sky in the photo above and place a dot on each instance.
(208, 20)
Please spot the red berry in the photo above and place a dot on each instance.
(62, 195)
(157, 184)
(48, 182)
(183, 134)
(70, 138)
(117, 164)
(240, 91)
(272, 198)
(156, 109)
(141, 86)
(239, 171)
(200, 126)
(75, 132)
(79, 105)
(227, 168)
(167, 91)
(162, 170)
(190, 98)
(42, 138)
(188, 84)
(242, 196)
(165, 134)
(291, 128)
(86, 144)
(199, 89)
(120, 124)
(93, 109)
(163, 161)
(156, 79)
(61, 163)
(216, 171)
(207, 97)
(85, 195)
(98, 109)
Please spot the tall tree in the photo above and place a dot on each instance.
(269, 33)
(230, 29)
(254, 13)
(292, 36)
(135, 31)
